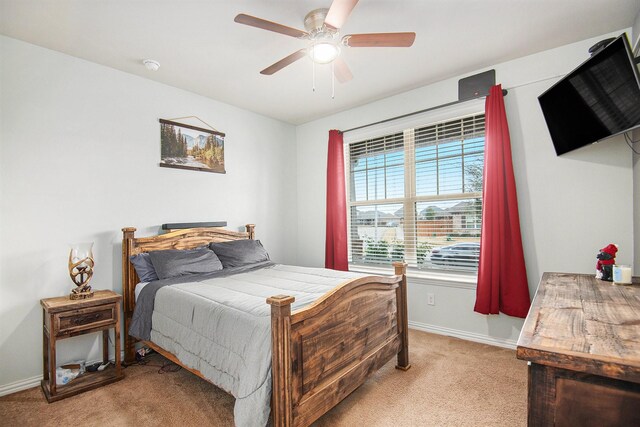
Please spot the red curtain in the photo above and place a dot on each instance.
(502, 276)
(336, 242)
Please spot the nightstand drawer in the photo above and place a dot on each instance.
(85, 318)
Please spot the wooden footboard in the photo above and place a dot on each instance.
(325, 351)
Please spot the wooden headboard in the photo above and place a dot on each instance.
(178, 239)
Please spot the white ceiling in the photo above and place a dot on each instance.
(202, 50)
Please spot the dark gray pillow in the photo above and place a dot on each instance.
(237, 253)
(173, 262)
(144, 268)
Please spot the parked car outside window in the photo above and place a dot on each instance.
(465, 255)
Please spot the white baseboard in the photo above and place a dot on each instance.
(465, 335)
(20, 385)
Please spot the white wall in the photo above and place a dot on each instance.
(79, 160)
(635, 33)
(570, 206)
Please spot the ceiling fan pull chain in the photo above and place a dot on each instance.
(333, 80)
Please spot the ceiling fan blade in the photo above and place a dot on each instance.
(284, 62)
(269, 26)
(379, 40)
(339, 12)
(341, 70)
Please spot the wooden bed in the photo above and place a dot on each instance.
(321, 353)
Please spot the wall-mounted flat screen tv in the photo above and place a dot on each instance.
(599, 99)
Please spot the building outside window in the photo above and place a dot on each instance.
(417, 195)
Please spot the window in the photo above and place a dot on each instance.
(417, 195)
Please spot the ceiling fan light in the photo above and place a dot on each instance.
(324, 52)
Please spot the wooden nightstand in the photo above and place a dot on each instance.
(64, 318)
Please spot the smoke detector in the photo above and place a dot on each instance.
(151, 64)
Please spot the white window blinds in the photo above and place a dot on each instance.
(417, 195)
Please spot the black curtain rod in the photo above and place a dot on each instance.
(504, 93)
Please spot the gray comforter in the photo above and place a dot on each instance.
(221, 326)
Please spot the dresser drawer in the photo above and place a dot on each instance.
(85, 318)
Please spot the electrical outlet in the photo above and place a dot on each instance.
(431, 299)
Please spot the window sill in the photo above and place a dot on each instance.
(450, 280)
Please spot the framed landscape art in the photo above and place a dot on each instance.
(190, 147)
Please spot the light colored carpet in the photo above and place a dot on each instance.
(451, 383)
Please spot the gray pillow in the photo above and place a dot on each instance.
(173, 262)
(144, 267)
(237, 253)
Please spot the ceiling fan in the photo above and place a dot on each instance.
(323, 32)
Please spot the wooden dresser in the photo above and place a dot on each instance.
(582, 339)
